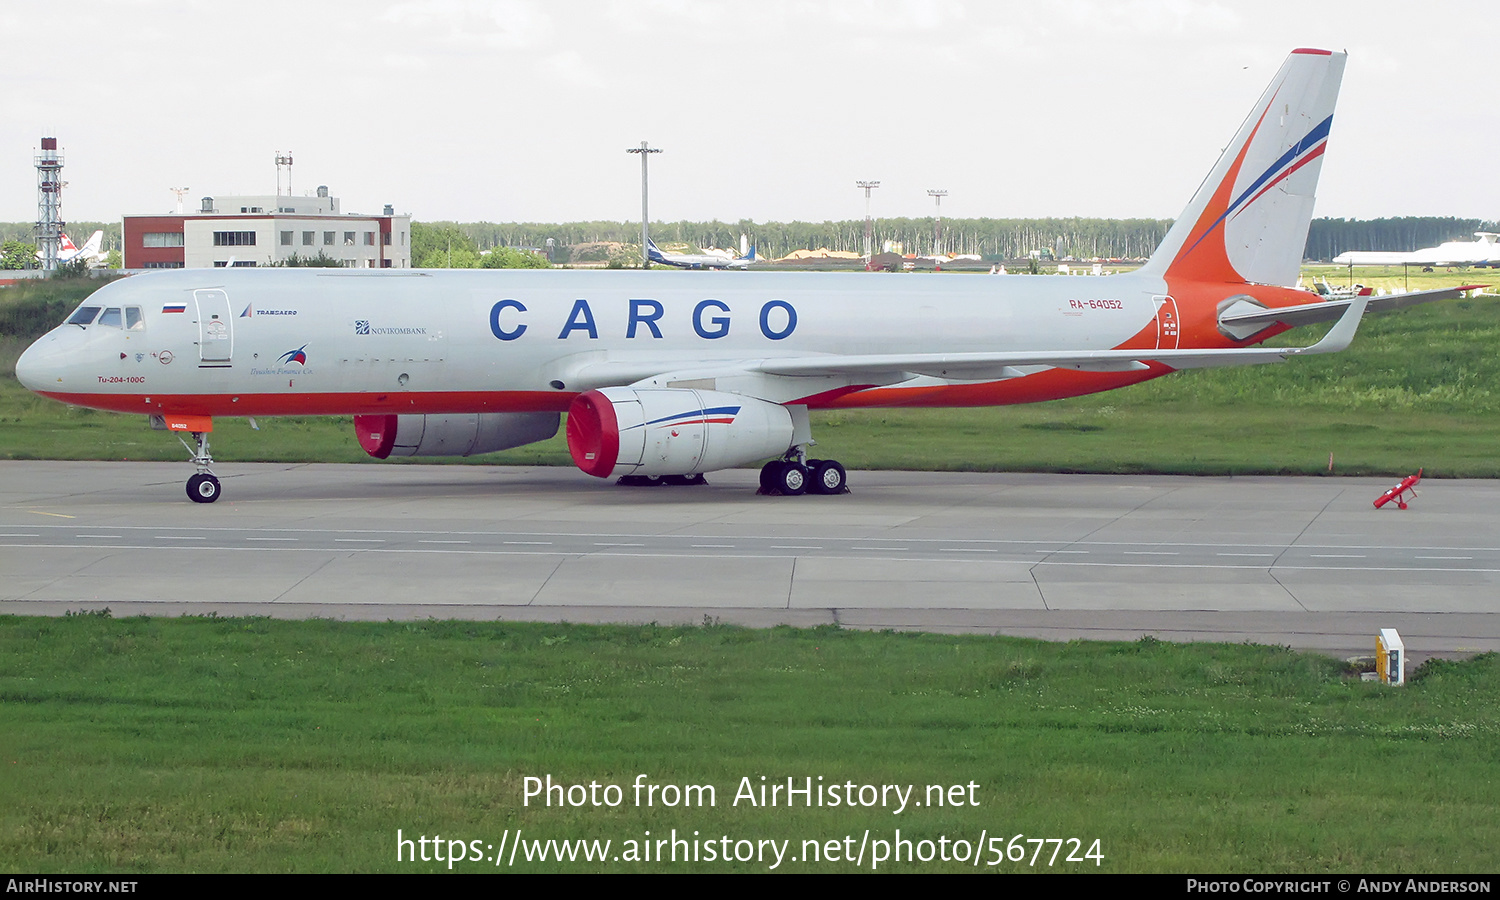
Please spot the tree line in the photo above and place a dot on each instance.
(469, 244)
(993, 239)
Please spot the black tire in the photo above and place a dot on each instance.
(639, 481)
(828, 477)
(768, 474)
(791, 480)
(203, 488)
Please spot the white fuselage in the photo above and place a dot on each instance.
(269, 342)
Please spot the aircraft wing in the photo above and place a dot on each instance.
(1002, 365)
(1328, 310)
(892, 368)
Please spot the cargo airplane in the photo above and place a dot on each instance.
(697, 260)
(665, 377)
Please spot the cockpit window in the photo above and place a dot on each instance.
(84, 316)
(111, 317)
(133, 319)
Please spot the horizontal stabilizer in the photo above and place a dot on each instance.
(1248, 323)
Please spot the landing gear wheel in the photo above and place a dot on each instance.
(203, 488)
(768, 475)
(684, 480)
(639, 481)
(791, 479)
(827, 477)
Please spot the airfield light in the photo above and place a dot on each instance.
(869, 224)
(937, 228)
(283, 160)
(644, 150)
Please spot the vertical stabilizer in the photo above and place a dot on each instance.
(1248, 221)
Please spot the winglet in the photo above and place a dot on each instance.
(1342, 332)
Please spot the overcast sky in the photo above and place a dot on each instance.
(511, 110)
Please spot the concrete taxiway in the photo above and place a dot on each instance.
(1306, 562)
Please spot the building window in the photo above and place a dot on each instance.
(286, 239)
(162, 265)
(385, 264)
(369, 238)
(234, 238)
(238, 264)
(385, 238)
(328, 238)
(161, 239)
(307, 238)
(348, 239)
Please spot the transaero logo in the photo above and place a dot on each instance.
(363, 326)
(251, 312)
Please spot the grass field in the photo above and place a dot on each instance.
(1419, 388)
(228, 745)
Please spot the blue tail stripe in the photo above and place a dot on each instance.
(1311, 140)
(1302, 146)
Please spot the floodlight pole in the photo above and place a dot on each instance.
(644, 150)
(869, 225)
(937, 229)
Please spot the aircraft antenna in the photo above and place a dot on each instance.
(49, 185)
(937, 228)
(869, 223)
(644, 150)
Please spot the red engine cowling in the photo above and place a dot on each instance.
(459, 434)
(623, 431)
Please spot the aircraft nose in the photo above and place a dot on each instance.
(41, 365)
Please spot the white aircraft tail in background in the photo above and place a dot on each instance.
(67, 251)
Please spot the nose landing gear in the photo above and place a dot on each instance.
(203, 487)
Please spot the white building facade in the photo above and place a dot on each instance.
(267, 230)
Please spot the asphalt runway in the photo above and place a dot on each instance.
(1305, 562)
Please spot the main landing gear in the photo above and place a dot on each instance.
(800, 475)
(202, 487)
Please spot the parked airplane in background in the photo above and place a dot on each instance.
(1481, 252)
(664, 377)
(90, 252)
(697, 260)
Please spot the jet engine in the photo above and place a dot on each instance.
(460, 434)
(622, 431)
